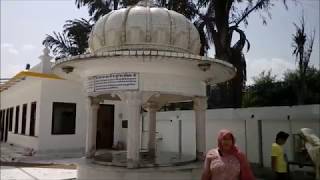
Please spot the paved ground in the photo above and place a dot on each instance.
(19, 163)
(31, 173)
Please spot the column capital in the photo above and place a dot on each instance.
(200, 103)
(131, 97)
(152, 106)
(95, 101)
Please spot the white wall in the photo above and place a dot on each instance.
(68, 92)
(168, 131)
(23, 92)
(244, 124)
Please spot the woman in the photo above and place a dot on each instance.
(226, 162)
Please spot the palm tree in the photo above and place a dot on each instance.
(186, 7)
(98, 8)
(78, 31)
(302, 49)
(72, 41)
(60, 45)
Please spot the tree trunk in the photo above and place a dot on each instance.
(302, 89)
(231, 90)
(238, 82)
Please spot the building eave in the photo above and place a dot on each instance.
(23, 74)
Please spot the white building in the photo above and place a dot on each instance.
(41, 111)
(65, 109)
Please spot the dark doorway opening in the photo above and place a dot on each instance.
(6, 126)
(105, 127)
(2, 115)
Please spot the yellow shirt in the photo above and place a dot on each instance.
(281, 165)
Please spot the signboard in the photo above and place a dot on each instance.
(113, 82)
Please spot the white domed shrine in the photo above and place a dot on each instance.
(145, 57)
(144, 27)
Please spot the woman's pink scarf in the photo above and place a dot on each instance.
(245, 170)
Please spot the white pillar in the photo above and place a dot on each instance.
(92, 127)
(152, 109)
(200, 107)
(133, 104)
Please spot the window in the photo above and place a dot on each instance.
(10, 118)
(124, 123)
(33, 118)
(16, 125)
(63, 118)
(24, 119)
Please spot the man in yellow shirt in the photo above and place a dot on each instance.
(278, 161)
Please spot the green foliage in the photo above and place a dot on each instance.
(98, 8)
(266, 91)
(186, 7)
(72, 41)
(312, 80)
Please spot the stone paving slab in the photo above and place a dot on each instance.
(11, 153)
(27, 173)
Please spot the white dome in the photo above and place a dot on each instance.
(144, 27)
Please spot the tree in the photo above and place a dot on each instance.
(302, 45)
(98, 8)
(267, 91)
(60, 45)
(263, 91)
(312, 81)
(72, 41)
(78, 31)
(186, 7)
(220, 20)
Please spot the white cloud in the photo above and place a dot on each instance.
(9, 48)
(276, 65)
(6, 45)
(28, 47)
(13, 51)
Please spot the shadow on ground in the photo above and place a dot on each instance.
(267, 174)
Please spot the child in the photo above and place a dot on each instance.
(278, 161)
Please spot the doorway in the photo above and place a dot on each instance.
(105, 126)
(2, 113)
(6, 126)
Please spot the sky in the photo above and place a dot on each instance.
(25, 23)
